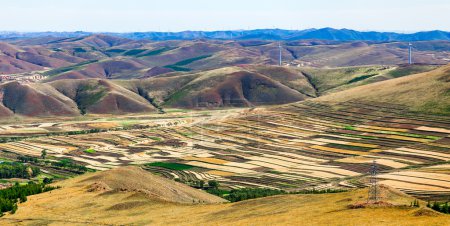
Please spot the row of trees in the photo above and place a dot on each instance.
(9, 197)
(68, 164)
(25, 159)
(415, 203)
(62, 164)
(200, 184)
(440, 207)
(17, 170)
(321, 191)
(236, 195)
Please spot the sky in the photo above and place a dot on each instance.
(180, 15)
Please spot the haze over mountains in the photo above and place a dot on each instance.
(266, 34)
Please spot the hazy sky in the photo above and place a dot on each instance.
(177, 15)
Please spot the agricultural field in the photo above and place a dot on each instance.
(292, 147)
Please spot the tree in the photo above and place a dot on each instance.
(213, 184)
(22, 197)
(436, 207)
(446, 208)
(47, 180)
(44, 154)
(29, 172)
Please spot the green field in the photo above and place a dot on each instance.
(170, 165)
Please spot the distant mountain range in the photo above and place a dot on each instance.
(262, 34)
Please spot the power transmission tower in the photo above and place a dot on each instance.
(280, 48)
(373, 189)
(410, 53)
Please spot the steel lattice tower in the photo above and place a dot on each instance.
(280, 48)
(409, 53)
(373, 189)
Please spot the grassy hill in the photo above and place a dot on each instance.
(36, 100)
(102, 97)
(238, 86)
(69, 98)
(328, 80)
(225, 87)
(124, 58)
(425, 92)
(133, 196)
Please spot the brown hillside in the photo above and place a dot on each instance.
(42, 60)
(8, 49)
(135, 179)
(9, 65)
(131, 196)
(233, 87)
(156, 71)
(158, 88)
(36, 100)
(207, 54)
(100, 40)
(102, 96)
(5, 112)
(291, 77)
(117, 68)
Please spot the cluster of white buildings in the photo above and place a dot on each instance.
(21, 78)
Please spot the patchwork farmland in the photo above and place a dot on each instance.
(292, 147)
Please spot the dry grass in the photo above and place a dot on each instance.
(74, 205)
(425, 92)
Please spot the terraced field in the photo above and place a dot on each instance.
(292, 147)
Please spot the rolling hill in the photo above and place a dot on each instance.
(427, 92)
(238, 86)
(36, 100)
(102, 74)
(70, 98)
(329, 80)
(225, 87)
(102, 97)
(111, 197)
(104, 56)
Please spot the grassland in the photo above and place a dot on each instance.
(82, 200)
(61, 70)
(425, 92)
(329, 80)
(178, 66)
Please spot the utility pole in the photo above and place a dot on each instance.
(373, 189)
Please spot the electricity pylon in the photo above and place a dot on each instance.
(373, 189)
